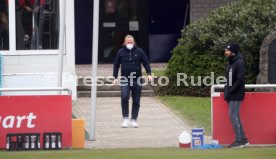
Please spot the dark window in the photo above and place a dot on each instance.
(166, 20)
(167, 17)
(4, 25)
(37, 24)
(120, 10)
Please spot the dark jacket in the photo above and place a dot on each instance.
(130, 61)
(235, 86)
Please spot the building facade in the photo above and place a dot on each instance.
(30, 44)
(30, 30)
(155, 24)
(201, 8)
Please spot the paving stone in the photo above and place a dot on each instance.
(158, 125)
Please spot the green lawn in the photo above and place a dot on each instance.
(158, 73)
(196, 110)
(168, 153)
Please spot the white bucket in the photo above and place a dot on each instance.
(184, 140)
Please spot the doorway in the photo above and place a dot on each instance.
(155, 24)
(117, 19)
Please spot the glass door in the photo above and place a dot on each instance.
(118, 18)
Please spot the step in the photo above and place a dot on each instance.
(102, 80)
(108, 87)
(145, 93)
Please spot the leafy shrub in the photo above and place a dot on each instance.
(201, 48)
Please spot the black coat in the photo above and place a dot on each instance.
(235, 86)
(130, 61)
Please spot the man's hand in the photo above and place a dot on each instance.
(150, 79)
(115, 82)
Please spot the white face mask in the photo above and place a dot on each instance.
(129, 46)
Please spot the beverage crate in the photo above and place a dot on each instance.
(23, 141)
(52, 140)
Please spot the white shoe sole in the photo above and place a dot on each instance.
(246, 144)
(236, 147)
(124, 126)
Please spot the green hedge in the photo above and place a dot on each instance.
(201, 48)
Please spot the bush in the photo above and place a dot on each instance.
(201, 48)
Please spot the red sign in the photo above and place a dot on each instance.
(258, 116)
(36, 114)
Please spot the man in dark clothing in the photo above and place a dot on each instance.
(130, 57)
(234, 91)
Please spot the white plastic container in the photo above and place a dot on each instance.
(184, 140)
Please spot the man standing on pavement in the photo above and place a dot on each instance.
(234, 91)
(130, 57)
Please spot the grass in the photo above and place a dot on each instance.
(158, 73)
(166, 153)
(196, 110)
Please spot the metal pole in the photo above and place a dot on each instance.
(62, 7)
(96, 10)
(186, 14)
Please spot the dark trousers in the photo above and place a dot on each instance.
(136, 95)
(234, 114)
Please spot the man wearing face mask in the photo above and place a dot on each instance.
(129, 58)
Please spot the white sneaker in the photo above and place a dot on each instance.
(125, 123)
(134, 124)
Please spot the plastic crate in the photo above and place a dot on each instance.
(52, 140)
(14, 142)
(26, 141)
(31, 141)
(197, 137)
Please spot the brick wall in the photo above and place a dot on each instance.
(201, 8)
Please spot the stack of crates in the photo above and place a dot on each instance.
(27, 141)
(52, 141)
(31, 141)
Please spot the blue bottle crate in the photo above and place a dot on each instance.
(197, 137)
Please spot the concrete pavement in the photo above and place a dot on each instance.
(158, 125)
